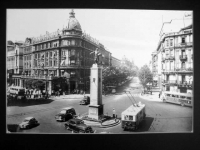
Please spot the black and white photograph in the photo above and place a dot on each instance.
(99, 71)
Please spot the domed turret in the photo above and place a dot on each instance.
(73, 22)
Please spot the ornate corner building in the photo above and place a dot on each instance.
(64, 53)
(173, 61)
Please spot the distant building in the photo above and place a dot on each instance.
(64, 53)
(115, 62)
(175, 50)
(14, 61)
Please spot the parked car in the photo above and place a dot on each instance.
(77, 125)
(85, 101)
(28, 123)
(66, 114)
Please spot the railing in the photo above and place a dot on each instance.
(185, 82)
(170, 57)
(38, 77)
(183, 57)
(184, 44)
(178, 82)
(170, 81)
(184, 69)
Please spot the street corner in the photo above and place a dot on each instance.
(153, 97)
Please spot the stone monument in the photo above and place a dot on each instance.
(96, 106)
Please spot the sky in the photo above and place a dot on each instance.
(124, 32)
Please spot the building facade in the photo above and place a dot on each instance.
(65, 53)
(175, 50)
(14, 62)
(115, 62)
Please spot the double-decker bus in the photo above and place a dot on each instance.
(184, 99)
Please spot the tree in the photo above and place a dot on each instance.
(145, 75)
(39, 84)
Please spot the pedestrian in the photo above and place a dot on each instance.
(113, 113)
(160, 93)
(115, 118)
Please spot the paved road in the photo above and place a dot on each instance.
(161, 117)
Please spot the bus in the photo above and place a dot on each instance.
(133, 116)
(183, 99)
(17, 92)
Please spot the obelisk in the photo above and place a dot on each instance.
(96, 106)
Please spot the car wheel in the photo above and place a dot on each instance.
(64, 119)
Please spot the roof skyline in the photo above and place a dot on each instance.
(132, 33)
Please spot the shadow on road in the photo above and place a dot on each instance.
(29, 102)
(145, 124)
(13, 127)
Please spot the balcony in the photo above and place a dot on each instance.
(170, 57)
(183, 69)
(169, 81)
(184, 44)
(42, 77)
(185, 84)
(183, 57)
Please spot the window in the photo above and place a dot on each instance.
(73, 42)
(171, 42)
(183, 40)
(50, 63)
(72, 52)
(130, 117)
(183, 65)
(50, 54)
(167, 43)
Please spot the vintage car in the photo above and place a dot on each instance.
(77, 125)
(66, 114)
(28, 123)
(85, 101)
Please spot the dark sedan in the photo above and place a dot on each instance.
(85, 101)
(77, 125)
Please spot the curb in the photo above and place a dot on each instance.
(103, 126)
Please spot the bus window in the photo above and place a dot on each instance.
(126, 117)
(182, 96)
(173, 95)
(130, 117)
(189, 98)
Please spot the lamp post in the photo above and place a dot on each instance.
(45, 74)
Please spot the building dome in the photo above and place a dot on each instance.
(73, 22)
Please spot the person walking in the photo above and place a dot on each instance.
(113, 113)
(160, 93)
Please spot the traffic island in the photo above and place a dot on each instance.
(103, 122)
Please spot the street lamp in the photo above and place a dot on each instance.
(45, 74)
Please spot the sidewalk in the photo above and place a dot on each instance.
(71, 96)
(153, 97)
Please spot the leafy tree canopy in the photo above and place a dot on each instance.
(145, 75)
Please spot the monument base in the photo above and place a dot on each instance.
(95, 111)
